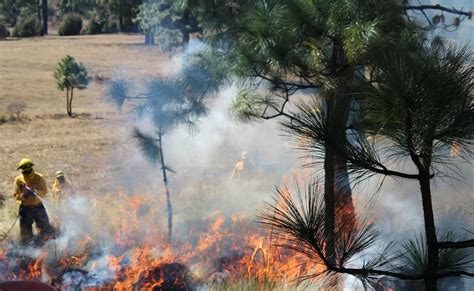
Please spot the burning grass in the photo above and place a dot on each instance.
(117, 241)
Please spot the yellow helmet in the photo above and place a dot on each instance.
(25, 164)
(59, 174)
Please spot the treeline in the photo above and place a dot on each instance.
(31, 17)
(170, 22)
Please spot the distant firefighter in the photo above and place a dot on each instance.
(29, 186)
(239, 167)
(61, 187)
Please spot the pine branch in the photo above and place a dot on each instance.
(456, 244)
(148, 145)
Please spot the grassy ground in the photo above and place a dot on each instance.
(81, 146)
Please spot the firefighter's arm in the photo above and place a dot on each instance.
(42, 189)
(18, 193)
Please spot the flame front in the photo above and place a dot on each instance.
(225, 249)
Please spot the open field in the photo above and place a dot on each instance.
(80, 146)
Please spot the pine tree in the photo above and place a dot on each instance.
(170, 102)
(69, 76)
(418, 104)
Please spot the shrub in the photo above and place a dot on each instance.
(15, 110)
(71, 25)
(3, 118)
(28, 27)
(93, 27)
(110, 26)
(4, 31)
(167, 39)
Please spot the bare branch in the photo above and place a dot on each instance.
(371, 272)
(422, 8)
(456, 244)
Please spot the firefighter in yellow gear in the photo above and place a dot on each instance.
(27, 186)
(61, 187)
(239, 167)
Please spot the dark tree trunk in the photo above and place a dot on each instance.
(167, 190)
(69, 108)
(45, 16)
(430, 231)
(329, 206)
(38, 11)
(345, 211)
(423, 163)
(185, 37)
(67, 100)
(149, 38)
(186, 26)
(337, 191)
(120, 23)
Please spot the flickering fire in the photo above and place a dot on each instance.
(456, 149)
(227, 249)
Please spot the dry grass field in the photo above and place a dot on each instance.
(80, 146)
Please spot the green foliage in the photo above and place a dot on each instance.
(168, 39)
(81, 7)
(170, 21)
(433, 87)
(93, 27)
(112, 15)
(101, 21)
(414, 255)
(3, 118)
(11, 10)
(111, 26)
(358, 37)
(149, 145)
(2, 200)
(69, 74)
(4, 32)
(71, 25)
(250, 105)
(298, 219)
(124, 12)
(27, 27)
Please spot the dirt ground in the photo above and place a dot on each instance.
(83, 146)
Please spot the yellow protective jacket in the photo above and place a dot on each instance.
(60, 190)
(33, 180)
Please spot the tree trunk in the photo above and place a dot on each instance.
(67, 100)
(329, 206)
(345, 211)
(329, 194)
(423, 165)
(69, 108)
(167, 190)
(185, 37)
(186, 24)
(149, 38)
(38, 11)
(430, 231)
(337, 191)
(45, 16)
(120, 23)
